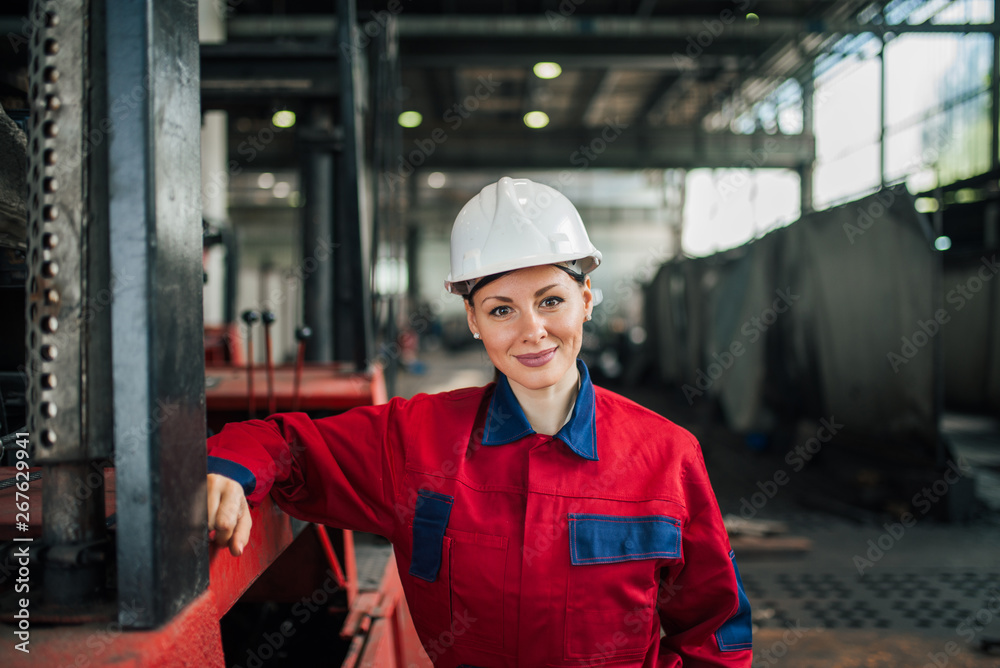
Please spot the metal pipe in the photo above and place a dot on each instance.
(302, 334)
(317, 231)
(268, 318)
(250, 317)
(590, 27)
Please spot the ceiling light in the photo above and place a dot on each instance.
(536, 119)
(547, 70)
(410, 119)
(942, 243)
(436, 180)
(282, 189)
(283, 119)
(265, 180)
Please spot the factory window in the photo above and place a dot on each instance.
(937, 107)
(724, 208)
(936, 126)
(846, 122)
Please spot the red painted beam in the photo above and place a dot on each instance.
(325, 387)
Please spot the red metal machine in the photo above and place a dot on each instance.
(104, 550)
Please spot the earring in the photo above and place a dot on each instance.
(589, 316)
(475, 335)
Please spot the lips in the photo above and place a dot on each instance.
(537, 359)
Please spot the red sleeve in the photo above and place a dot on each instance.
(343, 471)
(703, 608)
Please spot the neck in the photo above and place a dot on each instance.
(548, 408)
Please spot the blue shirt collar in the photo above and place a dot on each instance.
(506, 423)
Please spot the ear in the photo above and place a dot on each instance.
(588, 297)
(470, 315)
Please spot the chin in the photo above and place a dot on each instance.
(540, 377)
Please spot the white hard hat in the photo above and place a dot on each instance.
(512, 224)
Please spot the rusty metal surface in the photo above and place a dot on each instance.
(56, 231)
(191, 638)
(324, 387)
(232, 576)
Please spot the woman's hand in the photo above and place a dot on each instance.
(228, 513)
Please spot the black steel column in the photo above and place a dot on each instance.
(352, 328)
(317, 231)
(995, 90)
(157, 337)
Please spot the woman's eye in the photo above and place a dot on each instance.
(500, 311)
(552, 301)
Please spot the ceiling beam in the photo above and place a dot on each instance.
(658, 95)
(610, 147)
(583, 27)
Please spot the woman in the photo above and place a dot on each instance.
(538, 520)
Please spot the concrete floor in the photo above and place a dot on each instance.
(871, 591)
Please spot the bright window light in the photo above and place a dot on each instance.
(283, 119)
(410, 119)
(547, 70)
(536, 119)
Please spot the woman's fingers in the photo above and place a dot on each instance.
(216, 483)
(241, 536)
(228, 513)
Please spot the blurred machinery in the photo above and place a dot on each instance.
(103, 492)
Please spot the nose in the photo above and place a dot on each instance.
(532, 327)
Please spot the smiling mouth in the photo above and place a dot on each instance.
(537, 359)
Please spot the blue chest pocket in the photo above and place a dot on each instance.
(430, 519)
(608, 539)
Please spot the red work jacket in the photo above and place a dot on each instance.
(516, 548)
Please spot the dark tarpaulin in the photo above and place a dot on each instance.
(805, 323)
(971, 340)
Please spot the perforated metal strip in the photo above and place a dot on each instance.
(56, 228)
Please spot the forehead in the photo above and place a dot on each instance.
(526, 281)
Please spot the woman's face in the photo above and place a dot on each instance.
(531, 322)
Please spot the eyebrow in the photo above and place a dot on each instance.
(508, 300)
